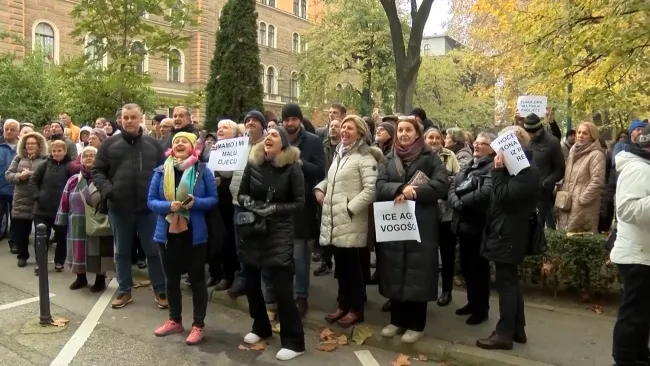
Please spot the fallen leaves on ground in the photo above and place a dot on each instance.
(342, 340)
(60, 322)
(259, 346)
(597, 309)
(327, 347)
(402, 360)
(276, 328)
(241, 347)
(326, 334)
(445, 364)
(421, 358)
(137, 283)
(360, 334)
(329, 341)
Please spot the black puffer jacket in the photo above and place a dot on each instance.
(512, 202)
(123, 169)
(471, 187)
(313, 170)
(275, 248)
(46, 186)
(167, 143)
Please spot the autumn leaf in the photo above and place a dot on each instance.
(60, 322)
(402, 360)
(327, 347)
(421, 358)
(276, 327)
(137, 283)
(259, 346)
(360, 334)
(342, 340)
(597, 309)
(241, 347)
(326, 334)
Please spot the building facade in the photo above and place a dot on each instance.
(281, 24)
(438, 45)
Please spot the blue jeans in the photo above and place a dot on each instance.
(125, 225)
(241, 274)
(301, 260)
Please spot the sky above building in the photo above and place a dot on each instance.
(439, 14)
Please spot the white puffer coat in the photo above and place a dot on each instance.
(349, 190)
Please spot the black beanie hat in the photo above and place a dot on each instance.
(159, 117)
(258, 116)
(532, 123)
(389, 127)
(419, 112)
(291, 110)
(284, 136)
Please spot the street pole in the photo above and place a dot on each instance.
(569, 89)
(43, 280)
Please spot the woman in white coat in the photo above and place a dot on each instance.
(346, 195)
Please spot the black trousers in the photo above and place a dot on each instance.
(327, 252)
(409, 315)
(447, 243)
(350, 277)
(476, 272)
(177, 255)
(60, 232)
(545, 206)
(292, 335)
(23, 229)
(224, 264)
(511, 302)
(632, 328)
(137, 253)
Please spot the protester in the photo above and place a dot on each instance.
(346, 195)
(182, 123)
(100, 122)
(446, 239)
(337, 111)
(26, 128)
(549, 161)
(31, 152)
(84, 133)
(85, 253)
(46, 132)
(46, 186)
(578, 200)
(166, 126)
(421, 117)
(469, 196)
(123, 169)
(455, 141)
(97, 136)
(8, 145)
(384, 137)
(65, 119)
(57, 131)
(182, 191)
(631, 252)
(272, 187)
(568, 143)
(635, 130)
(507, 235)
(256, 131)
(155, 122)
(408, 270)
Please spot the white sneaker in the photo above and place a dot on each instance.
(390, 330)
(286, 354)
(252, 338)
(411, 336)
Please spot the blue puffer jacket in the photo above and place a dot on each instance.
(205, 197)
(7, 154)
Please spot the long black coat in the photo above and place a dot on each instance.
(275, 248)
(313, 170)
(512, 201)
(470, 218)
(47, 184)
(408, 270)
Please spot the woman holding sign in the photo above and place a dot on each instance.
(408, 270)
(505, 241)
(346, 194)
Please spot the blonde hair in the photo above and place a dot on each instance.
(360, 124)
(59, 143)
(522, 135)
(233, 125)
(592, 128)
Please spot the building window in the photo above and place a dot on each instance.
(296, 7)
(270, 80)
(271, 33)
(303, 46)
(296, 43)
(177, 9)
(294, 85)
(175, 66)
(303, 9)
(427, 49)
(137, 49)
(262, 75)
(262, 38)
(93, 50)
(267, 2)
(45, 41)
(170, 111)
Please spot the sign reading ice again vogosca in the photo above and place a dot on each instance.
(396, 221)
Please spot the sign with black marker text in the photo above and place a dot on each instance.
(528, 104)
(396, 221)
(514, 157)
(229, 155)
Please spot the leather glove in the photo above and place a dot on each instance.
(264, 211)
(247, 202)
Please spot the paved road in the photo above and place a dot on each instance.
(125, 336)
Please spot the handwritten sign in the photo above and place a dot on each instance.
(514, 157)
(396, 222)
(229, 155)
(527, 104)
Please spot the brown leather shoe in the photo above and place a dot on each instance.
(495, 341)
(520, 337)
(350, 319)
(335, 316)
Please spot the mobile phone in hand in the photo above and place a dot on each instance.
(187, 200)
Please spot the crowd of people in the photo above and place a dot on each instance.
(115, 192)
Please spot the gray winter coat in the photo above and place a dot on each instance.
(23, 201)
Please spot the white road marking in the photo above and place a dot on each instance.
(366, 358)
(20, 302)
(79, 338)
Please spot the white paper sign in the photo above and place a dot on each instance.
(229, 155)
(527, 104)
(514, 157)
(396, 222)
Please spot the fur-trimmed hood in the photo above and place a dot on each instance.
(42, 143)
(287, 156)
(374, 150)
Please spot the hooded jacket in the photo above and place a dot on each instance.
(23, 201)
(632, 210)
(7, 154)
(46, 186)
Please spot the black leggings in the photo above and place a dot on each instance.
(177, 255)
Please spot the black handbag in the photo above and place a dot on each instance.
(249, 224)
(537, 239)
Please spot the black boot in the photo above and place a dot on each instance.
(445, 298)
(386, 307)
(80, 282)
(100, 283)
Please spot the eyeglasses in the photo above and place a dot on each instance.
(477, 143)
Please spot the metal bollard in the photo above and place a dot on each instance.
(43, 281)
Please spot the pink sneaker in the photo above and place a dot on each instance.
(170, 327)
(196, 336)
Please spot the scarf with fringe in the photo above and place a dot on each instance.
(178, 221)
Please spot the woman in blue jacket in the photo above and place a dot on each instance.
(182, 191)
